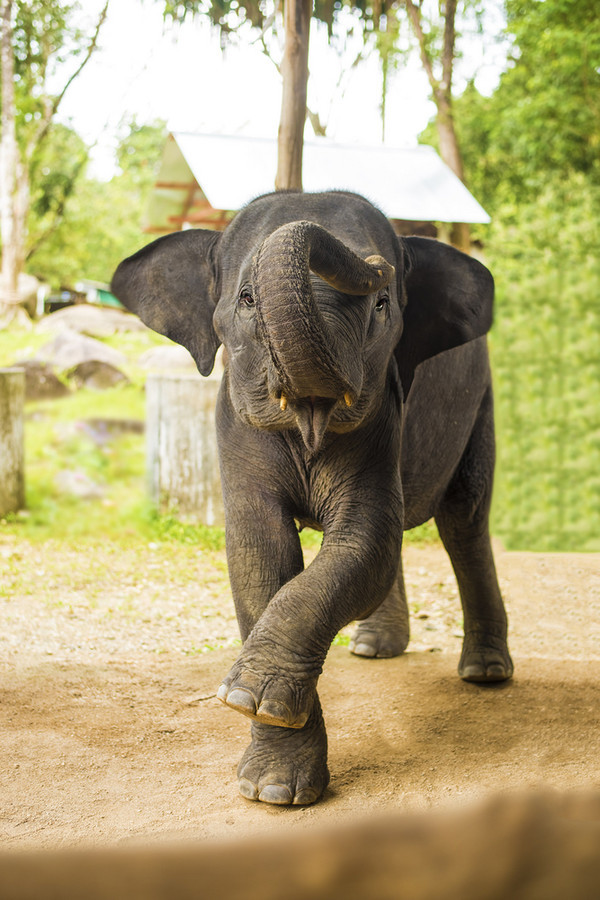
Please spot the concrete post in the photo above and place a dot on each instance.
(12, 453)
(182, 459)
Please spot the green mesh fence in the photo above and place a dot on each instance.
(545, 348)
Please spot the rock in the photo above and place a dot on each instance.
(94, 321)
(97, 375)
(41, 382)
(70, 349)
(167, 358)
(173, 357)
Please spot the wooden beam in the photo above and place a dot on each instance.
(177, 185)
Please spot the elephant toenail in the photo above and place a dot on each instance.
(473, 673)
(274, 712)
(247, 789)
(496, 672)
(222, 693)
(305, 797)
(276, 793)
(362, 649)
(242, 701)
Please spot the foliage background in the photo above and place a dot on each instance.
(546, 365)
(531, 156)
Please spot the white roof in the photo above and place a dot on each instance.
(231, 170)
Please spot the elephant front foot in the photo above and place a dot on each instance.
(270, 690)
(485, 658)
(286, 766)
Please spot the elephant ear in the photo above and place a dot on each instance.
(172, 286)
(449, 300)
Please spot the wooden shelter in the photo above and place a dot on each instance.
(204, 179)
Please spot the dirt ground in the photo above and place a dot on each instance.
(110, 731)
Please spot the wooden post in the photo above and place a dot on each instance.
(181, 442)
(12, 454)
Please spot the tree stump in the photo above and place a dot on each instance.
(181, 442)
(12, 453)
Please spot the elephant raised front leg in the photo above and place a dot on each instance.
(274, 679)
(282, 765)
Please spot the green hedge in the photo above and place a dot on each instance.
(545, 347)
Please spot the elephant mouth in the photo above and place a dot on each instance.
(312, 417)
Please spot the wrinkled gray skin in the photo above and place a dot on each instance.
(325, 315)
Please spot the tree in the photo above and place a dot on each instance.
(9, 162)
(435, 37)
(228, 15)
(100, 221)
(437, 49)
(55, 171)
(543, 121)
(38, 37)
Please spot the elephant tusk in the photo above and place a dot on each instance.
(348, 398)
(283, 403)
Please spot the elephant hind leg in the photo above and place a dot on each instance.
(386, 632)
(463, 523)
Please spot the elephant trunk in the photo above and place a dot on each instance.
(310, 360)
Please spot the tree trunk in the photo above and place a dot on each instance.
(8, 165)
(294, 71)
(22, 203)
(460, 234)
(441, 90)
(449, 148)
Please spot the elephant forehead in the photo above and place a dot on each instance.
(350, 218)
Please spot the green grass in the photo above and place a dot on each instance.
(17, 344)
(423, 535)
(59, 440)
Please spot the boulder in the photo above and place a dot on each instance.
(97, 375)
(94, 321)
(41, 381)
(70, 349)
(168, 358)
(173, 358)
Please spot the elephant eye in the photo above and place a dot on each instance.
(246, 297)
(382, 301)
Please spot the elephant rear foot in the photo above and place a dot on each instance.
(286, 766)
(485, 658)
(386, 632)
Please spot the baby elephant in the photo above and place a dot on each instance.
(357, 400)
